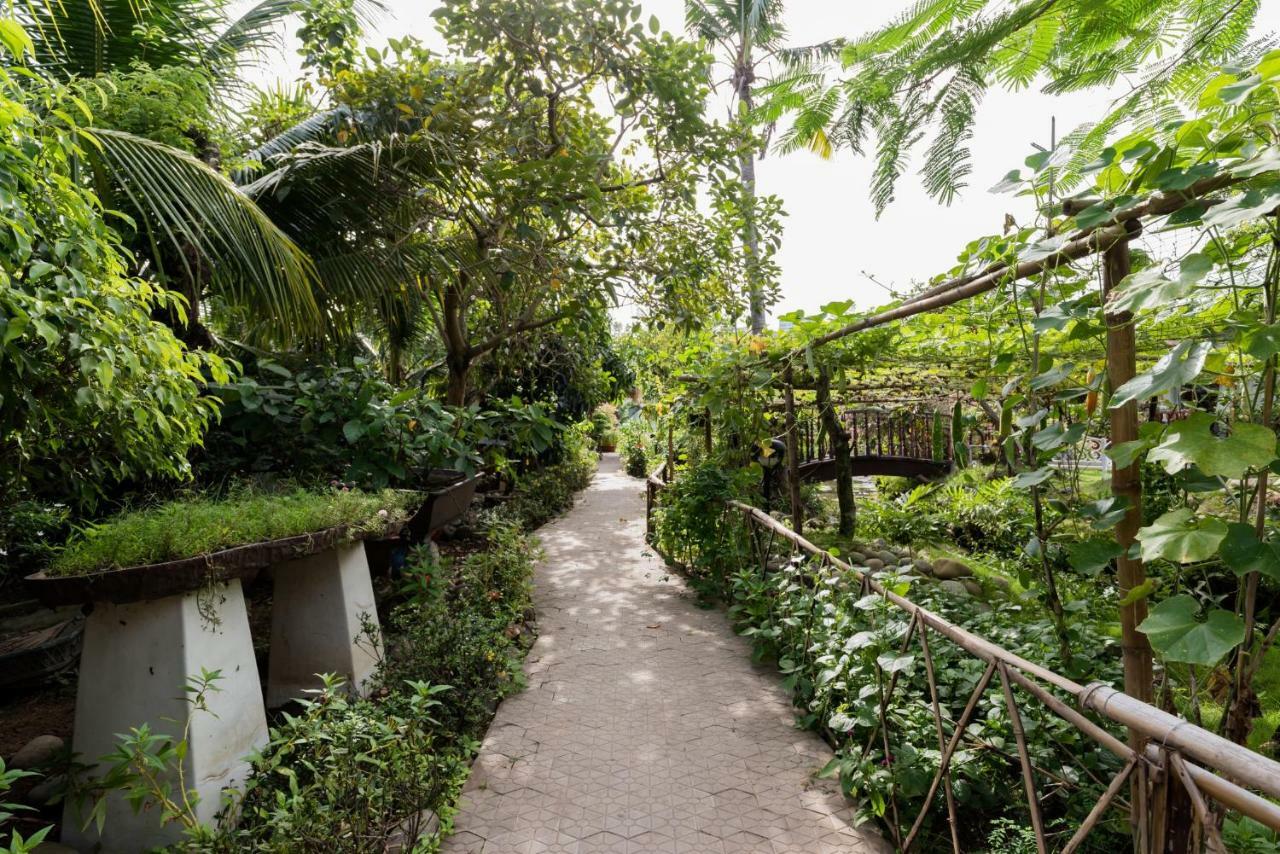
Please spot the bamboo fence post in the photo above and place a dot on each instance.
(670, 472)
(793, 456)
(1126, 483)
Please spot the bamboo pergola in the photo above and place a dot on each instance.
(1165, 757)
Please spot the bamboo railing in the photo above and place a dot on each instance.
(1215, 772)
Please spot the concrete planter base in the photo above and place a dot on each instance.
(318, 603)
(137, 660)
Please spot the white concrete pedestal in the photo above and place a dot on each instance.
(316, 623)
(136, 664)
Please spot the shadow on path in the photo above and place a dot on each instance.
(645, 726)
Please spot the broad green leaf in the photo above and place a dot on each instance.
(1177, 635)
(1053, 376)
(1056, 435)
(1262, 342)
(1192, 441)
(1243, 553)
(1180, 537)
(1242, 208)
(1093, 556)
(1028, 479)
(894, 663)
(1175, 369)
(354, 429)
(15, 39)
(1126, 453)
(1105, 512)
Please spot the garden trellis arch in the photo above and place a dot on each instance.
(1165, 757)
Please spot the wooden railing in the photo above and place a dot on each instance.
(1215, 773)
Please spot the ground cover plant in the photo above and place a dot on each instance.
(203, 524)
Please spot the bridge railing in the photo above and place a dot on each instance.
(1216, 774)
(877, 432)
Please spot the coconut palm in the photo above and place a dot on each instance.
(746, 34)
(197, 232)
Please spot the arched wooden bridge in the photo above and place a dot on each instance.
(901, 443)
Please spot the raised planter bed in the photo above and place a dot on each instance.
(153, 629)
(448, 495)
(171, 578)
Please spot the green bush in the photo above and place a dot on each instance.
(344, 775)
(545, 493)
(635, 443)
(203, 524)
(460, 632)
(827, 641)
(318, 423)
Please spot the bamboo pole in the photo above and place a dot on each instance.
(1242, 765)
(1095, 814)
(1024, 757)
(793, 458)
(1126, 484)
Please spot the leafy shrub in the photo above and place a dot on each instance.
(318, 423)
(988, 515)
(342, 775)
(892, 487)
(604, 427)
(545, 493)
(908, 518)
(95, 392)
(827, 641)
(635, 440)
(30, 534)
(17, 843)
(459, 632)
(194, 526)
(971, 509)
(692, 525)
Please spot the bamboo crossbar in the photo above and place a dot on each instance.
(1082, 244)
(1165, 731)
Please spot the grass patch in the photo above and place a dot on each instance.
(199, 525)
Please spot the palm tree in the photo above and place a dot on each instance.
(747, 34)
(198, 232)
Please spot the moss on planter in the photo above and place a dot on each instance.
(200, 525)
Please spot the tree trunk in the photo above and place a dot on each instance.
(840, 451)
(459, 377)
(747, 173)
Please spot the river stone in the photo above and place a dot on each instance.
(45, 791)
(955, 588)
(972, 586)
(857, 557)
(874, 563)
(922, 566)
(945, 568)
(999, 581)
(38, 752)
(982, 607)
(889, 558)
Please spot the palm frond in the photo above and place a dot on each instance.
(196, 209)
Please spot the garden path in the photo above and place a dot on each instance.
(645, 727)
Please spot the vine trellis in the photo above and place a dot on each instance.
(1168, 763)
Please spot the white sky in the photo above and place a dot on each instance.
(833, 245)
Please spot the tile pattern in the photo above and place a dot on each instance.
(645, 727)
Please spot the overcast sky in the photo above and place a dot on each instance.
(833, 245)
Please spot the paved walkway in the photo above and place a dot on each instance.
(645, 727)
